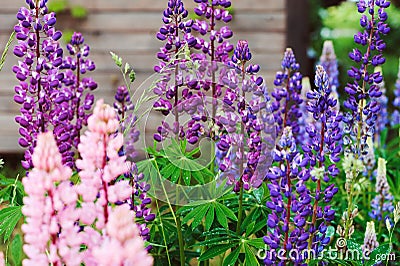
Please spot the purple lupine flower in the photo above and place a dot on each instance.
(395, 119)
(382, 203)
(290, 197)
(76, 97)
(215, 45)
(287, 94)
(139, 201)
(243, 163)
(382, 119)
(329, 62)
(40, 56)
(323, 141)
(363, 92)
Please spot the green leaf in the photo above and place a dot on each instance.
(221, 216)
(16, 249)
(250, 257)
(228, 212)
(215, 251)
(259, 194)
(382, 251)
(210, 217)
(198, 176)
(330, 231)
(6, 48)
(249, 228)
(186, 175)
(257, 243)
(356, 250)
(232, 257)
(9, 218)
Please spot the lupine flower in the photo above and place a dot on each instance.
(50, 98)
(139, 202)
(382, 203)
(369, 160)
(242, 163)
(396, 103)
(363, 92)
(382, 119)
(214, 45)
(324, 141)
(290, 197)
(122, 244)
(2, 260)
(370, 242)
(48, 206)
(287, 94)
(38, 73)
(329, 62)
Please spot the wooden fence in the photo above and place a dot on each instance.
(128, 28)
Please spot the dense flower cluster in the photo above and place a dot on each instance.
(57, 226)
(329, 62)
(324, 142)
(363, 91)
(245, 163)
(213, 42)
(287, 94)
(50, 97)
(382, 119)
(290, 197)
(382, 203)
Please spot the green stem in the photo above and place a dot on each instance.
(180, 240)
(240, 215)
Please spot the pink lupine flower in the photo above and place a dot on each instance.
(2, 261)
(48, 207)
(123, 244)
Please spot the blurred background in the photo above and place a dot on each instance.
(128, 28)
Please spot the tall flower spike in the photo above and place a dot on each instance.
(287, 94)
(382, 203)
(214, 46)
(290, 202)
(322, 153)
(363, 92)
(48, 206)
(396, 103)
(329, 62)
(40, 57)
(370, 242)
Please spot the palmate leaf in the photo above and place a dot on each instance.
(250, 256)
(377, 254)
(232, 257)
(16, 250)
(216, 250)
(9, 218)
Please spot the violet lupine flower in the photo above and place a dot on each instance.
(78, 88)
(139, 202)
(382, 203)
(175, 33)
(40, 57)
(395, 119)
(287, 95)
(122, 244)
(370, 242)
(242, 163)
(329, 62)
(290, 197)
(363, 92)
(323, 141)
(50, 234)
(215, 46)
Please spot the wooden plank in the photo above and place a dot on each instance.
(9, 6)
